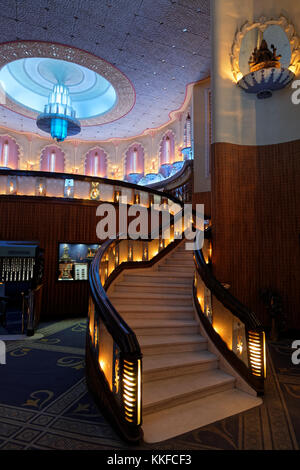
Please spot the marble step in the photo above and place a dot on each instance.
(151, 308)
(180, 277)
(173, 365)
(166, 393)
(183, 418)
(150, 298)
(189, 270)
(146, 287)
(152, 345)
(153, 327)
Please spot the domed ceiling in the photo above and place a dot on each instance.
(149, 54)
(29, 82)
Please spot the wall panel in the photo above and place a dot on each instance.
(256, 223)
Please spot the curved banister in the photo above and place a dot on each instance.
(115, 324)
(223, 295)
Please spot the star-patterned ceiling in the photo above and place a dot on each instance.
(160, 45)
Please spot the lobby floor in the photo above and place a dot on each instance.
(44, 403)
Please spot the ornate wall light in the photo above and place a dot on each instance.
(266, 71)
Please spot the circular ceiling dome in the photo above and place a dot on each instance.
(29, 82)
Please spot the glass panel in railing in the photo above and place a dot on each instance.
(26, 186)
(153, 248)
(91, 316)
(40, 186)
(204, 297)
(55, 187)
(231, 329)
(12, 185)
(127, 196)
(69, 188)
(111, 258)
(123, 251)
(207, 250)
(106, 192)
(105, 355)
(144, 198)
(104, 268)
(3, 180)
(81, 189)
(137, 246)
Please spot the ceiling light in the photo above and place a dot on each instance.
(58, 118)
(184, 30)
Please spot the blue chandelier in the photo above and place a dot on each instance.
(58, 118)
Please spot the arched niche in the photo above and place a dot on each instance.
(9, 152)
(52, 159)
(134, 160)
(167, 149)
(95, 163)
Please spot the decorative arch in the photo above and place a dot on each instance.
(52, 159)
(167, 148)
(9, 152)
(95, 163)
(134, 159)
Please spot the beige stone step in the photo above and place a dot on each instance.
(146, 287)
(151, 308)
(166, 315)
(165, 297)
(163, 327)
(180, 277)
(174, 365)
(146, 300)
(151, 345)
(167, 393)
(177, 269)
(183, 418)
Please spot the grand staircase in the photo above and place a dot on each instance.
(184, 384)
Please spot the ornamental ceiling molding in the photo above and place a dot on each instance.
(262, 24)
(15, 50)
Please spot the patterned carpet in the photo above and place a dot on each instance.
(44, 403)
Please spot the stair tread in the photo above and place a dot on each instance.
(152, 363)
(154, 308)
(153, 295)
(148, 322)
(168, 388)
(170, 339)
(180, 419)
(156, 273)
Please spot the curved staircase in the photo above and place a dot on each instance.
(185, 385)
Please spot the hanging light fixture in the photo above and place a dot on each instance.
(58, 118)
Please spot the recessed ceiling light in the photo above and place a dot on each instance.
(173, 45)
(184, 30)
(154, 73)
(163, 60)
(183, 66)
